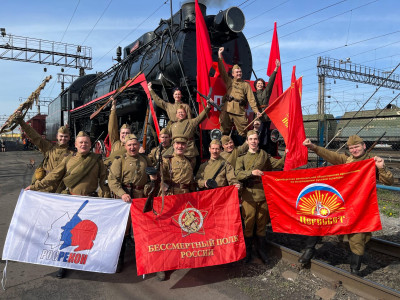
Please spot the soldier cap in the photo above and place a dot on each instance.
(215, 142)
(235, 67)
(251, 132)
(129, 137)
(165, 131)
(225, 139)
(354, 140)
(81, 134)
(63, 130)
(180, 139)
(125, 126)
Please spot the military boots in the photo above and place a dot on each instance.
(249, 247)
(121, 257)
(355, 264)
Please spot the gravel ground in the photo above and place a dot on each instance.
(278, 279)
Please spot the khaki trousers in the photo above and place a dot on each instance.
(255, 213)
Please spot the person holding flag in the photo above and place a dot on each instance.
(249, 169)
(357, 241)
(238, 94)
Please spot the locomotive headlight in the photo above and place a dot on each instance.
(231, 19)
(215, 134)
(274, 135)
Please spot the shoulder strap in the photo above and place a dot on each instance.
(219, 170)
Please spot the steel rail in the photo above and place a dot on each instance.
(357, 285)
(385, 247)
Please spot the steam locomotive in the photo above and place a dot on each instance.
(167, 57)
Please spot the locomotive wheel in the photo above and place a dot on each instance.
(99, 148)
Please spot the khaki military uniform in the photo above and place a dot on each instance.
(154, 154)
(74, 166)
(231, 157)
(254, 205)
(113, 132)
(53, 153)
(178, 174)
(187, 129)
(234, 110)
(207, 170)
(357, 241)
(128, 175)
(170, 108)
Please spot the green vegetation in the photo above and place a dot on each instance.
(389, 203)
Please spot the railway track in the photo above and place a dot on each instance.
(385, 247)
(357, 285)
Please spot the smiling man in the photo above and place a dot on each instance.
(238, 94)
(231, 153)
(249, 169)
(53, 153)
(357, 241)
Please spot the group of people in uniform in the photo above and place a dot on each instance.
(85, 173)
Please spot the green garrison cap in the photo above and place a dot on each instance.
(81, 134)
(354, 140)
(215, 142)
(129, 137)
(63, 130)
(225, 139)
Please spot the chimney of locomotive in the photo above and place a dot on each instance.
(189, 14)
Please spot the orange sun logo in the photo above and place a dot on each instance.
(319, 200)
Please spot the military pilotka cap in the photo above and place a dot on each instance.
(215, 142)
(63, 130)
(235, 67)
(125, 126)
(129, 137)
(251, 132)
(225, 139)
(180, 139)
(354, 140)
(81, 134)
(164, 131)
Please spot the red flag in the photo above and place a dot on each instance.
(296, 153)
(332, 200)
(273, 56)
(195, 230)
(152, 111)
(204, 57)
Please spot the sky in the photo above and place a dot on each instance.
(367, 32)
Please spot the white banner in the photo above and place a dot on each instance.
(73, 232)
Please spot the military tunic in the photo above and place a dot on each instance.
(113, 132)
(207, 170)
(129, 173)
(88, 184)
(170, 108)
(187, 128)
(178, 174)
(154, 154)
(357, 241)
(254, 205)
(231, 157)
(235, 110)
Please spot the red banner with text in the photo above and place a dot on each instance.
(332, 200)
(195, 230)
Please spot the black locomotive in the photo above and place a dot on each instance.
(167, 57)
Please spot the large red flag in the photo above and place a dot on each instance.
(273, 56)
(195, 230)
(296, 153)
(204, 57)
(332, 200)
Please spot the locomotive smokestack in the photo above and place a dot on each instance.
(188, 10)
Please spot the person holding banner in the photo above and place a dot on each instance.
(238, 94)
(216, 172)
(249, 169)
(81, 173)
(231, 153)
(53, 153)
(357, 241)
(127, 180)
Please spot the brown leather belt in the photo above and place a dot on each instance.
(133, 187)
